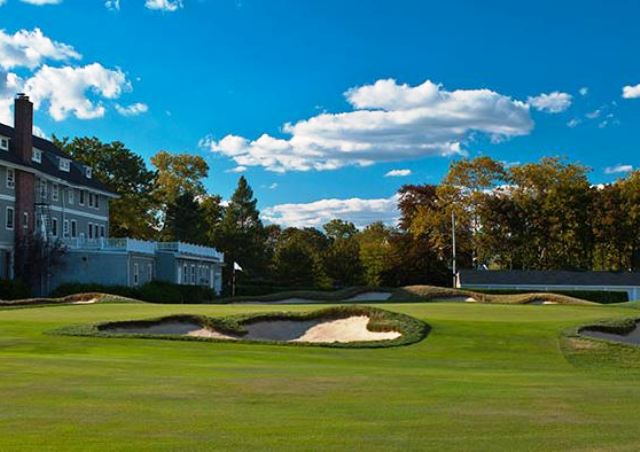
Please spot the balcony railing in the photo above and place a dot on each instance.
(141, 246)
(189, 248)
(104, 244)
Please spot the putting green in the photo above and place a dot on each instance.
(488, 377)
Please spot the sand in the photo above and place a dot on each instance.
(92, 301)
(350, 329)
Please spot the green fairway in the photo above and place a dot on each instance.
(487, 377)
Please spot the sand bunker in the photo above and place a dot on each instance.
(541, 302)
(631, 337)
(350, 329)
(91, 301)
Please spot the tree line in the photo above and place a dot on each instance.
(544, 215)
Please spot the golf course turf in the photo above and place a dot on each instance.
(488, 377)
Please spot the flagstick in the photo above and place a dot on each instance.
(233, 284)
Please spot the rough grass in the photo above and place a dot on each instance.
(414, 293)
(412, 329)
(489, 377)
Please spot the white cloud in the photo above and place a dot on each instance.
(237, 169)
(361, 212)
(594, 114)
(10, 84)
(574, 122)
(132, 110)
(31, 48)
(42, 2)
(583, 91)
(618, 169)
(2, 2)
(273, 186)
(390, 122)
(112, 5)
(66, 89)
(164, 5)
(631, 92)
(398, 173)
(554, 102)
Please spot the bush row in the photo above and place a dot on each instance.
(154, 292)
(13, 290)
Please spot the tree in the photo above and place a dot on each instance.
(177, 174)
(212, 214)
(185, 221)
(297, 258)
(132, 214)
(339, 230)
(242, 235)
(375, 252)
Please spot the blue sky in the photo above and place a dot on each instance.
(213, 68)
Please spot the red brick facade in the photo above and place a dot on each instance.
(25, 181)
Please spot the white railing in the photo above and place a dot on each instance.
(189, 248)
(118, 244)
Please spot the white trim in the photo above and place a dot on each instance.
(13, 218)
(11, 184)
(64, 182)
(7, 198)
(78, 213)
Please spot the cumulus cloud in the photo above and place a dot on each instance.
(66, 89)
(398, 173)
(631, 92)
(618, 169)
(31, 48)
(361, 212)
(554, 102)
(132, 110)
(389, 122)
(164, 5)
(584, 91)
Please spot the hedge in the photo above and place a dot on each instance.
(154, 292)
(13, 290)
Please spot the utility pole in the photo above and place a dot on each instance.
(453, 241)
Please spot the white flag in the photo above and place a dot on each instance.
(237, 267)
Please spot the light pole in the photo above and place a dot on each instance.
(453, 242)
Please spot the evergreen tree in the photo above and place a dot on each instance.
(185, 221)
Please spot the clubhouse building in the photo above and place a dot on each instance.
(45, 192)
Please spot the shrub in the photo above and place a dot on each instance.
(154, 292)
(13, 290)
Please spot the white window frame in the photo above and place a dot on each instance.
(81, 197)
(65, 229)
(102, 231)
(42, 188)
(90, 199)
(11, 219)
(54, 227)
(71, 197)
(74, 228)
(150, 271)
(36, 155)
(90, 231)
(96, 203)
(55, 192)
(64, 165)
(193, 274)
(88, 172)
(11, 178)
(25, 220)
(4, 143)
(185, 273)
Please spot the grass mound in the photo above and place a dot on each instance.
(415, 293)
(411, 329)
(81, 298)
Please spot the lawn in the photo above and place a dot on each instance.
(488, 377)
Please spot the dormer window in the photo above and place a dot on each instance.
(88, 172)
(4, 143)
(36, 155)
(65, 165)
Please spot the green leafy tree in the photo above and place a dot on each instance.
(132, 214)
(185, 221)
(375, 252)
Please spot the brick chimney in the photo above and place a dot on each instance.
(23, 124)
(25, 181)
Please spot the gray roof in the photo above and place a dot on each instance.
(49, 164)
(549, 278)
